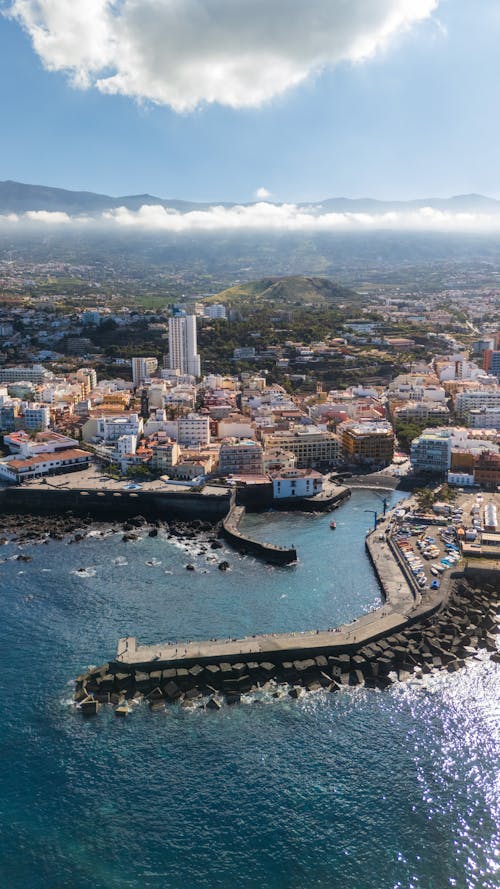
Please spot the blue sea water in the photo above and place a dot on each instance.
(358, 790)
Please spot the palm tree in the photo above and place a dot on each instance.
(425, 498)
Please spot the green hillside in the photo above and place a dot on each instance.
(293, 290)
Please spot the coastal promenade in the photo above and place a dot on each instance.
(280, 646)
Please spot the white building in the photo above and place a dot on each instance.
(193, 430)
(421, 410)
(484, 418)
(182, 346)
(34, 374)
(16, 469)
(431, 451)
(110, 429)
(142, 369)
(126, 444)
(36, 417)
(297, 483)
(218, 310)
(472, 399)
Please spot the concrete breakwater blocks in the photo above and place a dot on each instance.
(441, 641)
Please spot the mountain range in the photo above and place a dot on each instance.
(18, 197)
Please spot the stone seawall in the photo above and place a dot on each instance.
(278, 555)
(426, 643)
(322, 503)
(113, 504)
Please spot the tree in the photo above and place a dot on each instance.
(425, 498)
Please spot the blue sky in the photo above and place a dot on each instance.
(419, 117)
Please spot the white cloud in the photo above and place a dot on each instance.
(48, 217)
(260, 217)
(185, 52)
(262, 194)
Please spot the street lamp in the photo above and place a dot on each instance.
(375, 517)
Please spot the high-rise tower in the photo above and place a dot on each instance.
(182, 349)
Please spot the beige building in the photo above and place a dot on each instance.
(425, 411)
(165, 456)
(311, 446)
(240, 458)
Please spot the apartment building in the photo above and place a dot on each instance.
(182, 345)
(368, 442)
(431, 451)
(311, 446)
(240, 458)
(474, 399)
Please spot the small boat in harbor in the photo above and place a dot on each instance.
(333, 525)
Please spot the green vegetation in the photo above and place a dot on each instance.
(427, 497)
(406, 432)
(296, 290)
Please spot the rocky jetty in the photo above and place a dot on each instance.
(443, 641)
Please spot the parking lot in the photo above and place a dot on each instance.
(429, 545)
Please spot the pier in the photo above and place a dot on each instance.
(269, 552)
(374, 651)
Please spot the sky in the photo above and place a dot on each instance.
(229, 100)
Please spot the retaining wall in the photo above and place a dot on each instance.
(278, 555)
(115, 504)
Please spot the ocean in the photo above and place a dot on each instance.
(357, 790)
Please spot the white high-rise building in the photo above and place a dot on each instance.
(182, 348)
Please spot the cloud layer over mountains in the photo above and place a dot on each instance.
(183, 53)
(260, 217)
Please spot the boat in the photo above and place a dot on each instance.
(333, 525)
(439, 568)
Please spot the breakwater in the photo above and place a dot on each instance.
(108, 504)
(442, 640)
(278, 555)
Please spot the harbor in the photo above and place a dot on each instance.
(411, 631)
